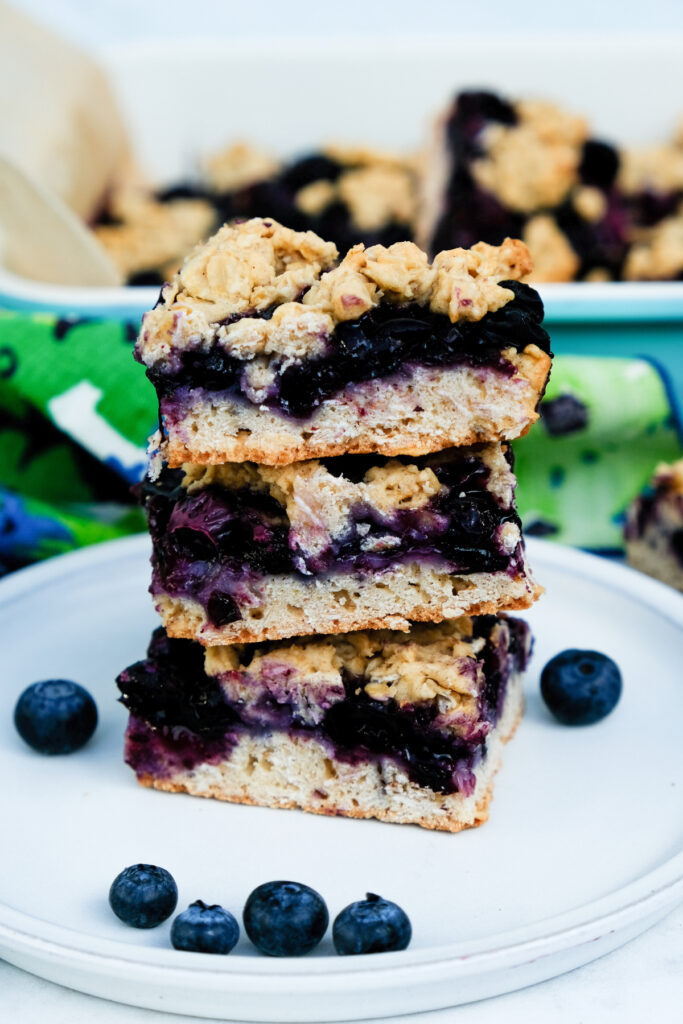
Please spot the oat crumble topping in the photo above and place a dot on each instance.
(657, 255)
(258, 263)
(552, 254)
(439, 661)
(153, 235)
(239, 165)
(533, 164)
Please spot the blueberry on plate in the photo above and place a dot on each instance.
(372, 925)
(143, 895)
(55, 716)
(581, 687)
(205, 929)
(285, 918)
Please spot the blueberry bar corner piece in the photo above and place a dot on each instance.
(266, 347)
(245, 552)
(530, 170)
(654, 527)
(407, 728)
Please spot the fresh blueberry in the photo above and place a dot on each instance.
(599, 164)
(581, 687)
(143, 895)
(285, 918)
(55, 716)
(372, 925)
(205, 929)
(564, 415)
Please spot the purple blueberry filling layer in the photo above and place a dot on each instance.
(387, 341)
(471, 214)
(208, 544)
(180, 717)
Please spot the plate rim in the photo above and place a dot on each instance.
(649, 896)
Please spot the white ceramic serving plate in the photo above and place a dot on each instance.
(184, 98)
(584, 849)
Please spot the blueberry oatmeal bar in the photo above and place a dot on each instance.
(346, 194)
(654, 527)
(407, 728)
(245, 552)
(528, 170)
(264, 347)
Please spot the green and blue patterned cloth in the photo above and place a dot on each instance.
(76, 411)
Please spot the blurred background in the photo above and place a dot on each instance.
(129, 131)
(112, 21)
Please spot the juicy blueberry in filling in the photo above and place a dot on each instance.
(386, 341)
(182, 717)
(209, 542)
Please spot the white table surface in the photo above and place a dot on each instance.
(643, 981)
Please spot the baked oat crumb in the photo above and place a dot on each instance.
(250, 266)
(532, 165)
(552, 254)
(651, 168)
(657, 255)
(239, 165)
(437, 661)
(590, 203)
(396, 486)
(375, 196)
(151, 235)
(466, 282)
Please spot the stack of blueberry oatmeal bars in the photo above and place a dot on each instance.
(335, 539)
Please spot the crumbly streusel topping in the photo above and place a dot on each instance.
(590, 203)
(153, 235)
(533, 164)
(553, 257)
(293, 330)
(239, 165)
(651, 168)
(433, 661)
(374, 196)
(669, 477)
(460, 283)
(244, 267)
(657, 255)
(258, 263)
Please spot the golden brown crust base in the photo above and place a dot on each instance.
(449, 823)
(440, 825)
(185, 620)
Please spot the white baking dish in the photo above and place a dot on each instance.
(183, 99)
